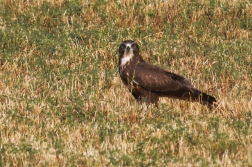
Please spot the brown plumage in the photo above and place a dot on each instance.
(149, 82)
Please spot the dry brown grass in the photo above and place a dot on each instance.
(62, 102)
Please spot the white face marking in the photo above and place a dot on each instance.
(128, 45)
(127, 56)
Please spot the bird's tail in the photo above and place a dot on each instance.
(207, 100)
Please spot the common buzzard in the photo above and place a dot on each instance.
(146, 81)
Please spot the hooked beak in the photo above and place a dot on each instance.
(128, 49)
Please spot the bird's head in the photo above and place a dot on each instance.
(127, 50)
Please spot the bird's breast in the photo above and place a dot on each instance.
(125, 60)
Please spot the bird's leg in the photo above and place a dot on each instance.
(137, 97)
(150, 97)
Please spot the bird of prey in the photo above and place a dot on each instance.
(146, 81)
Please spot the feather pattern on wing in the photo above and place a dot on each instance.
(156, 79)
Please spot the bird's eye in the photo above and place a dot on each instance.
(122, 46)
(133, 45)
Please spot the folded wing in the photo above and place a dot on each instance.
(156, 79)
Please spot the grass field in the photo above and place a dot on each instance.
(62, 102)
